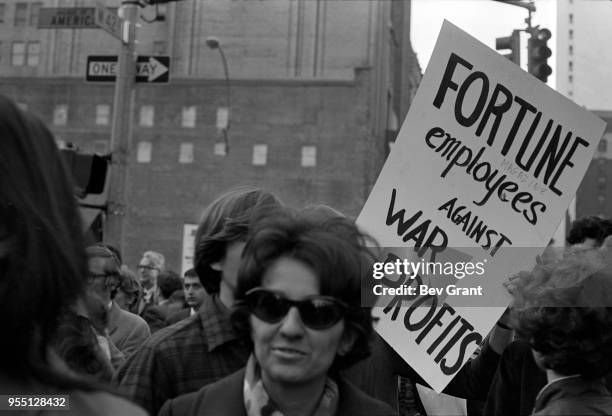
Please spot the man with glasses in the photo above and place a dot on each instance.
(149, 267)
(127, 331)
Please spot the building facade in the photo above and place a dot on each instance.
(316, 90)
(582, 75)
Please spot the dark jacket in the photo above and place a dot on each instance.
(225, 398)
(517, 383)
(178, 316)
(574, 396)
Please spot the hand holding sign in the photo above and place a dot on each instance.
(485, 164)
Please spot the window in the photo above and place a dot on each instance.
(18, 54)
(188, 118)
(33, 55)
(570, 34)
(571, 49)
(102, 114)
(309, 156)
(159, 47)
(260, 154)
(60, 114)
(570, 79)
(222, 118)
(34, 13)
(143, 154)
(2, 10)
(571, 18)
(186, 153)
(220, 149)
(21, 11)
(570, 65)
(147, 114)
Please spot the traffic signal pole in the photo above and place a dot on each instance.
(121, 131)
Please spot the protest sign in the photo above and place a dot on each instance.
(482, 171)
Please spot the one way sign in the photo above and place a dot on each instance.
(103, 68)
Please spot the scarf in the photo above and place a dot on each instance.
(258, 403)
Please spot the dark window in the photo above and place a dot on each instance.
(2, 10)
(21, 11)
(34, 12)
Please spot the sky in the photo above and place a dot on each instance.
(483, 19)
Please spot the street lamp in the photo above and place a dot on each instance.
(213, 43)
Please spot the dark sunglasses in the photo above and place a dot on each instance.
(316, 312)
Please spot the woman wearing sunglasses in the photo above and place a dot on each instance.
(299, 306)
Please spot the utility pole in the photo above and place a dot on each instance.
(121, 132)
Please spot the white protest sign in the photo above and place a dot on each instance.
(488, 160)
(189, 232)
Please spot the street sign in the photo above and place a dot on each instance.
(109, 21)
(149, 69)
(66, 18)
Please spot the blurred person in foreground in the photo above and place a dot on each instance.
(194, 297)
(518, 378)
(43, 267)
(564, 314)
(201, 349)
(299, 307)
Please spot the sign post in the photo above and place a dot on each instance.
(479, 177)
(121, 134)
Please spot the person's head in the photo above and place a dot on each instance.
(221, 235)
(176, 301)
(568, 319)
(589, 232)
(43, 266)
(299, 296)
(194, 291)
(128, 293)
(103, 276)
(168, 282)
(151, 264)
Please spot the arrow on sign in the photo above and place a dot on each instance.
(152, 69)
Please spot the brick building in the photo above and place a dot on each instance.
(317, 88)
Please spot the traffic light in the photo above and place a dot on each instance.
(538, 54)
(88, 171)
(511, 43)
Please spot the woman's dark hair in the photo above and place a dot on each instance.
(225, 220)
(332, 246)
(169, 282)
(589, 227)
(42, 256)
(568, 318)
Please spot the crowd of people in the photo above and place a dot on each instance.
(270, 319)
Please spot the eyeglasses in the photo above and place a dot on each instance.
(146, 267)
(317, 312)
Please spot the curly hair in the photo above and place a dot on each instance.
(335, 250)
(224, 221)
(589, 227)
(568, 319)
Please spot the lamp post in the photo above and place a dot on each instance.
(213, 43)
